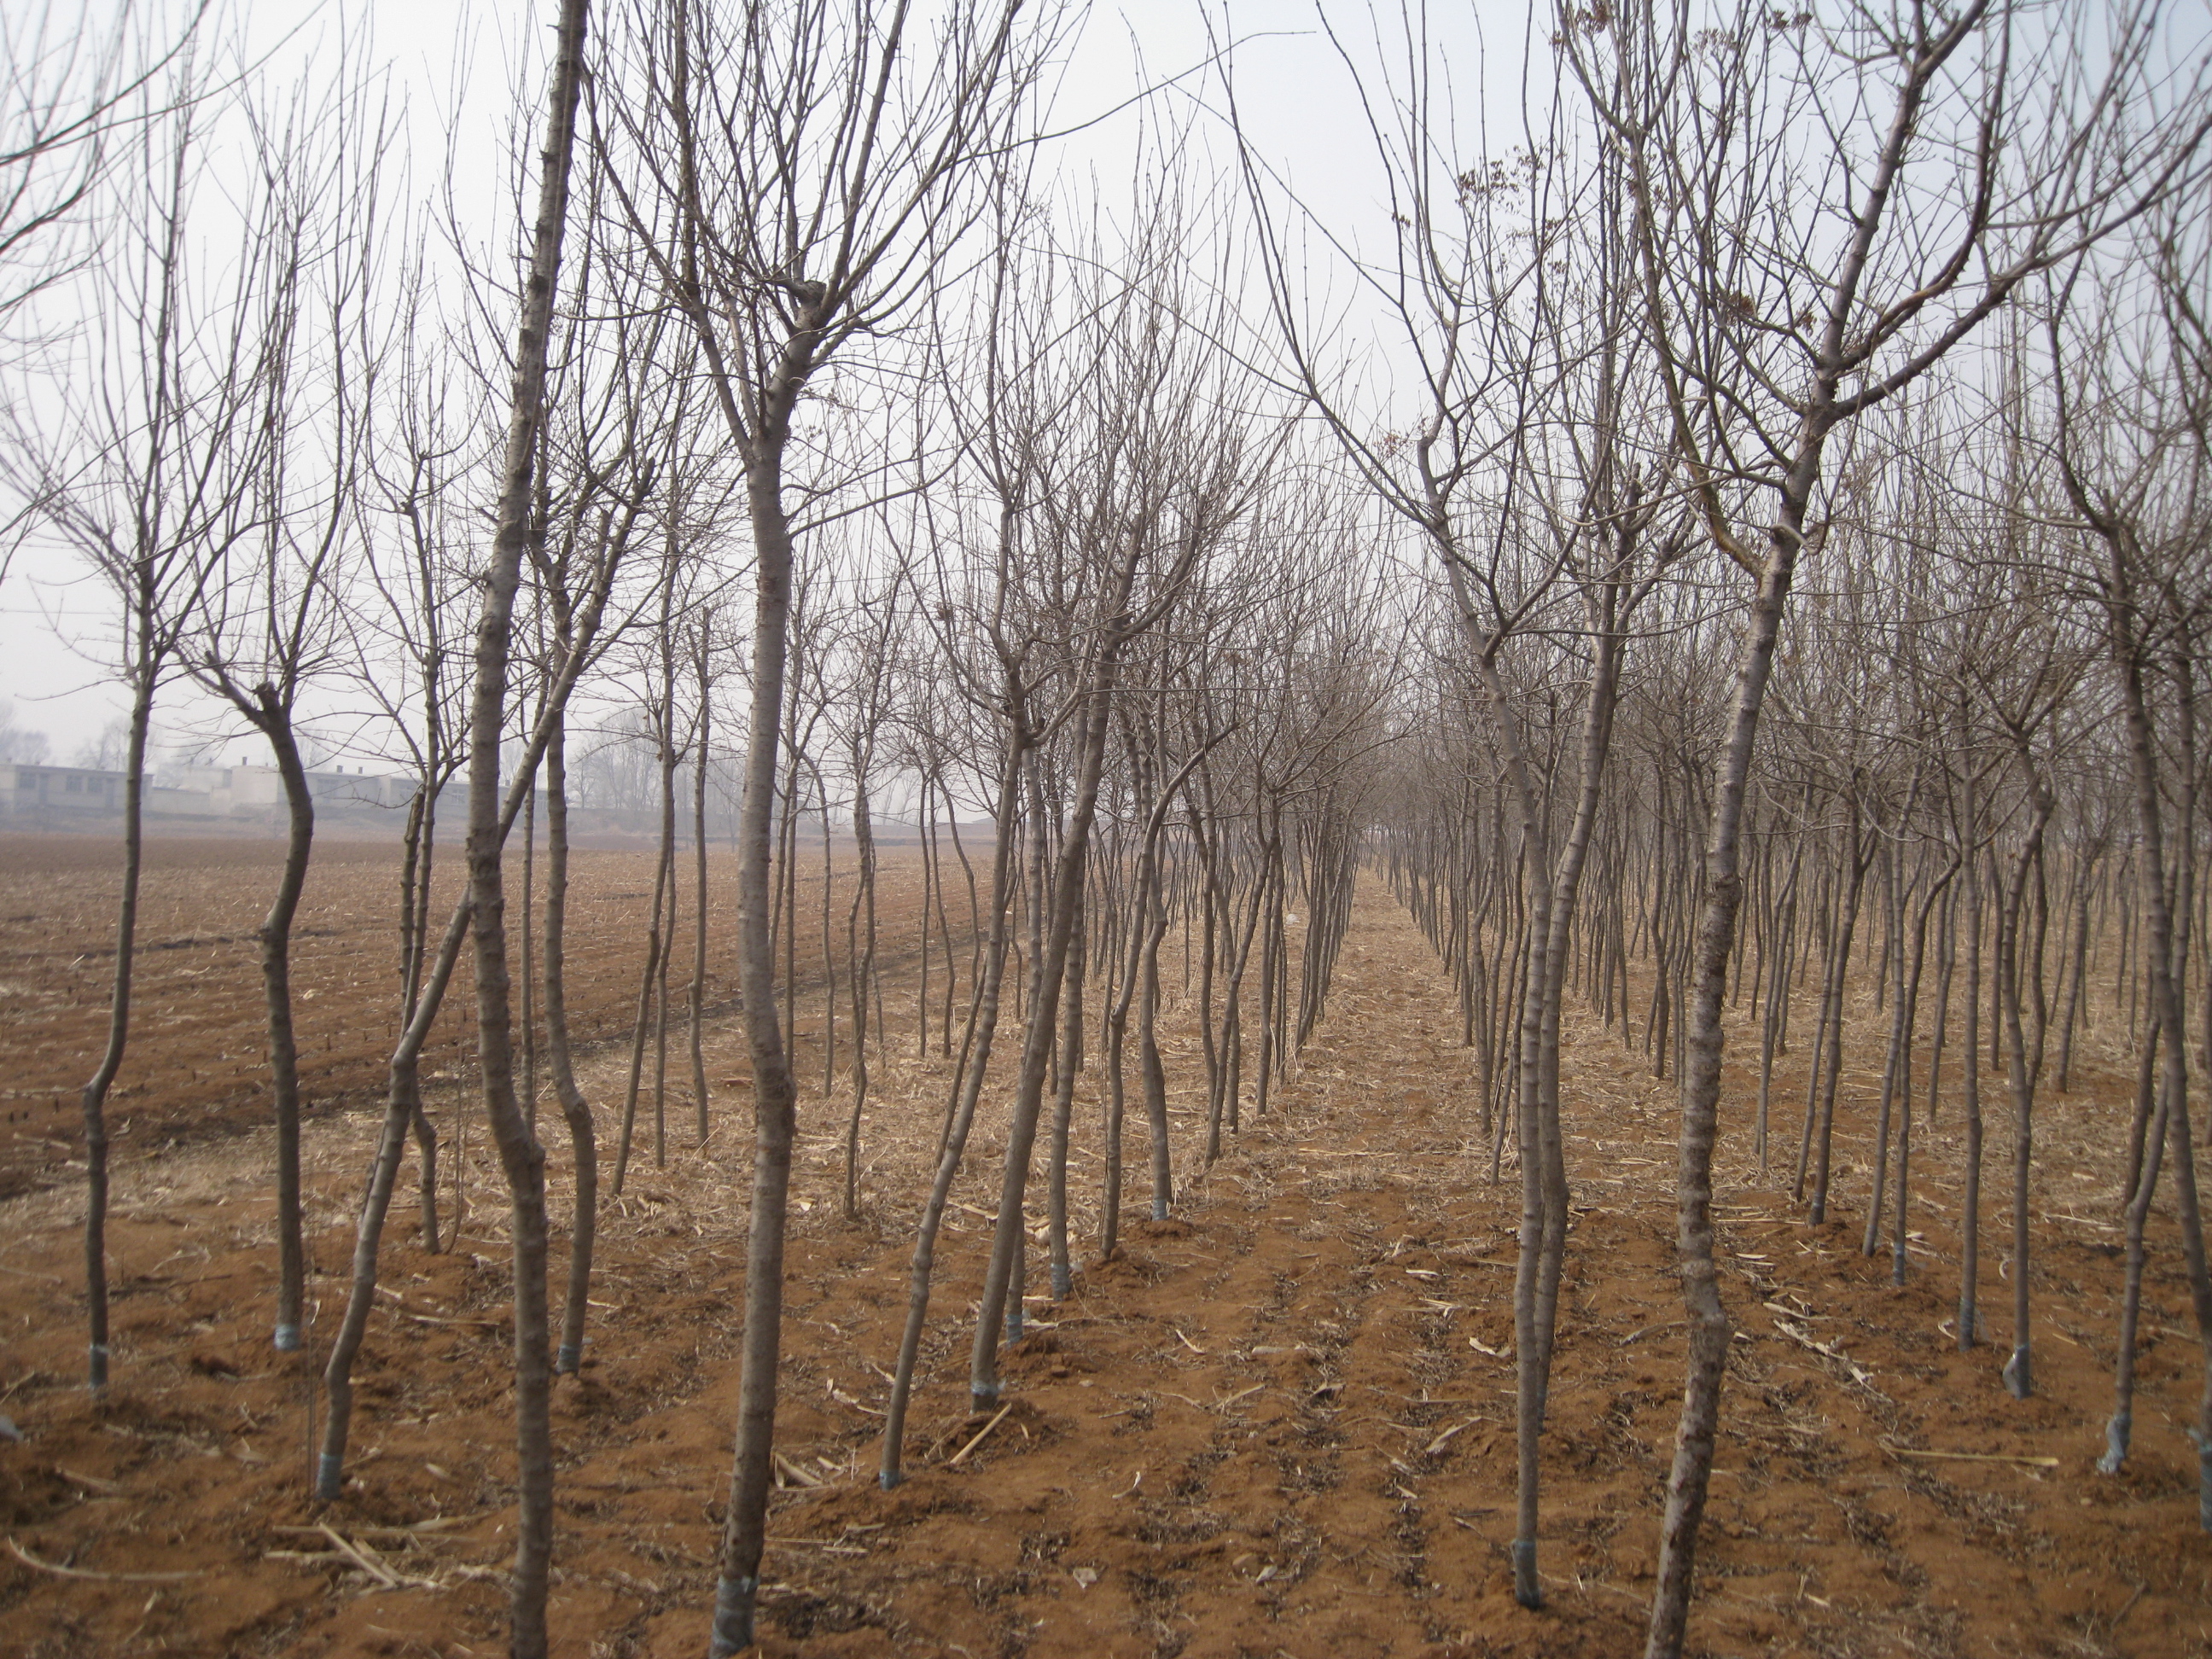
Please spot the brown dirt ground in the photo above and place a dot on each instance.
(197, 1057)
(1280, 1423)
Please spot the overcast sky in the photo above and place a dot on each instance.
(1295, 93)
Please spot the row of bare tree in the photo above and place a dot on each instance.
(1077, 518)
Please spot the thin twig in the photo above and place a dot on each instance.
(953, 1462)
(60, 1571)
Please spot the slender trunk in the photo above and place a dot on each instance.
(640, 1029)
(665, 917)
(1152, 901)
(1065, 913)
(2077, 966)
(94, 1098)
(1777, 996)
(526, 934)
(744, 1532)
(1828, 921)
(275, 941)
(2158, 931)
(2148, 1138)
(521, 1156)
(411, 920)
(829, 945)
(403, 1100)
(1890, 974)
(414, 910)
(1140, 966)
(933, 908)
(404, 1093)
(1709, 1332)
(967, 1089)
(1232, 1011)
(1946, 956)
(1212, 904)
(699, 876)
(1272, 954)
(860, 963)
(2019, 1369)
(575, 1108)
(1824, 1145)
(1970, 1084)
(1901, 1237)
(975, 931)
(1063, 1112)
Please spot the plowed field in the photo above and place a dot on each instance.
(1280, 1423)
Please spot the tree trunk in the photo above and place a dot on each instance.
(1840, 975)
(403, 1101)
(641, 1029)
(699, 873)
(1064, 914)
(2148, 1133)
(1970, 1084)
(2157, 931)
(1709, 1332)
(744, 1531)
(275, 941)
(521, 1157)
(968, 1087)
(94, 1098)
(1063, 1112)
(2019, 1369)
(861, 964)
(575, 1108)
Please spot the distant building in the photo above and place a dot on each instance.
(37, 796)
(197, 791)
(44, 797)
(195, 797)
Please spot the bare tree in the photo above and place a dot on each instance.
(148, 476)
(2133, 449)
(270, 621)
(521, 1156)
(1524, 461)
(795, 175)
(74, 87)
(1965, 160)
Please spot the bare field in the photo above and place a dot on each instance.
(197, 1059)
(1280, 1424)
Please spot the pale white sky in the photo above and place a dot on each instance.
(1294, 90)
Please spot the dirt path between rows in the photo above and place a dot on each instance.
(1280, 1424)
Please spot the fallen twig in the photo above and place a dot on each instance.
(1445, 1439)
(1972, 1457)
(60, 1572)
(953, 1462)
(382, 1574)
(1804, 1338)
(793, 1472)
